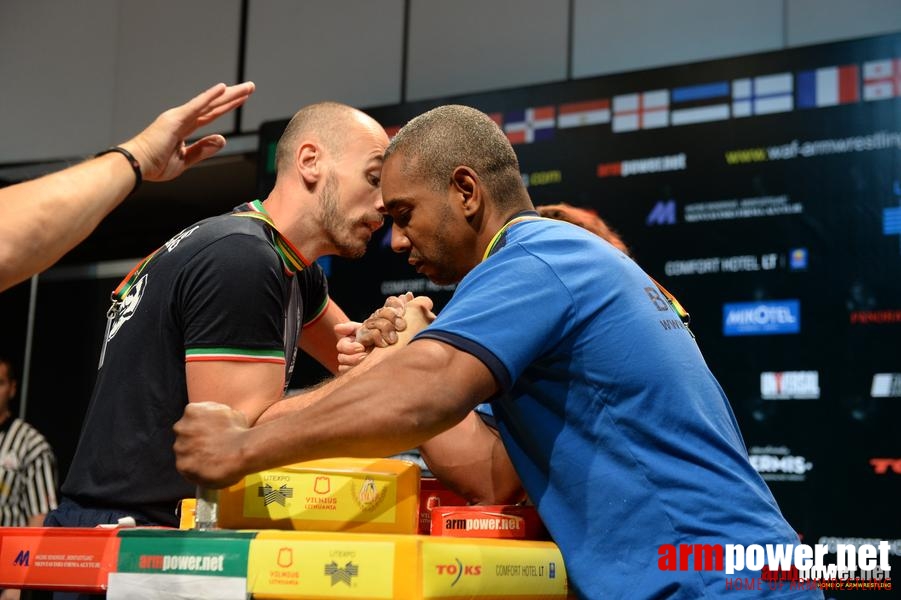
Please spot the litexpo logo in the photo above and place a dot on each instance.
(341, 574)
(457, 570)
(792, 564)
(762, 318)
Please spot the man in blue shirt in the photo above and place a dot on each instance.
(621, 435)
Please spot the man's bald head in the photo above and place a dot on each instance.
(328, 123)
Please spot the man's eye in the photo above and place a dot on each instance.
(375, 180)
(401, 218)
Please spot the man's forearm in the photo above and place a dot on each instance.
(396, 406)
(417, 319)
(41, 220)
(309, 396)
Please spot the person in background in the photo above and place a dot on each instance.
(586, 219)
(27, 463)
(27, 467)
(42, 219)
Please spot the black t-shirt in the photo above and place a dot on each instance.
(219, 290)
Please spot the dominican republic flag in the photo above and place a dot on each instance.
(699, 103)
(647, 110)
(762, 95)
(882, 79)
(578, 114)
(828, 86)
(392, 130)
(530, 125)
(497, 118)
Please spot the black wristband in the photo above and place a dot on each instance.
(135, 165)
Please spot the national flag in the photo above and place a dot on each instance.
(578, 114)
(828, 86)
(762, 95)
(882, 79)
(646, 110)
(497, 118)
(700, 103)
(530, 125)
(392, 130)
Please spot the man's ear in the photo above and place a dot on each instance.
(308, 160)
(466, 183)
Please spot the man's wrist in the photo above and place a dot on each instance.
(132, 161)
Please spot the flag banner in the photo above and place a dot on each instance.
(580, 114)
(882, 79)
(828, 86)
(762, 95)
(700, 103)
(530, 125)
(646, 110)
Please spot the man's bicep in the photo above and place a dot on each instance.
(508, 313)
(250, 387)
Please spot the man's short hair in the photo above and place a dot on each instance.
(326, 120)
(436, 142)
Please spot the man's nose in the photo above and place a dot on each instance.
(399, 242)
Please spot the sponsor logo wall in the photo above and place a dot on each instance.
(765, 192)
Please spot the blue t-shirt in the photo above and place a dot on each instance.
(619, 431)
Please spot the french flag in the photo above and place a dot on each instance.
(828, 86)
(579, 114)
(882, 79)
(647, 110)
(530, 125)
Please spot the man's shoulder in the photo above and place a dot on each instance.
(29, 433)
(219, 226)
(223, 237)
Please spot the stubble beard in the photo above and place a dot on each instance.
(339, 230)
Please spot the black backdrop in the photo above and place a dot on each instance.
(780, 232)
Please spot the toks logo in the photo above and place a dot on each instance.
(458, 570)
(882, 466)
(790, 385)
